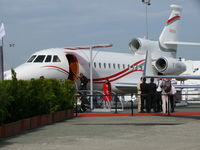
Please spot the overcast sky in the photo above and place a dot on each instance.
(33, 25)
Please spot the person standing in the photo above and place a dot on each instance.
(171, 98)
(84, 81)
(152, 95)
(159, 96)
(107, 92)
(166, 89)
(139, 95)
(144, 95)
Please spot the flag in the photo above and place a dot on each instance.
(2, 31)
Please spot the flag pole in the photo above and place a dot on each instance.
(1, 59)
(2, 34)
(91, 79)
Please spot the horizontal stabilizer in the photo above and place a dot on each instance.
(181, 43)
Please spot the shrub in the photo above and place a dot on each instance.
(22, 99)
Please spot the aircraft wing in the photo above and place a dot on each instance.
(182, 86)
(177, 77)
(181, 43)
(125, 85)
(128, 87)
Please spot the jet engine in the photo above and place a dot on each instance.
(170, 66)
(141, 45)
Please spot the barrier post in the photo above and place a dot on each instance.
(168, 112)
(115, 97)
(131, 107)
(76, 107)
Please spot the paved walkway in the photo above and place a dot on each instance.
(112, 133)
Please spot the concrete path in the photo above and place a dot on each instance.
(112, 133)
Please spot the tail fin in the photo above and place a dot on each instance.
(170, 31)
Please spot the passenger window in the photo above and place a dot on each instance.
(32, 58)
(104, 65)
(128, 66)
(118, 66)
(95, 65)
(109, 65)
(48, 58)
(39, 59)
(99, 65)
(56, 58)
(123, 66)
(114, 66)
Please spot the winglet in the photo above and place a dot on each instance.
(148, 67)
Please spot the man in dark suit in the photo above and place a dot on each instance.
(152, 95)
(84, 81)
(144, 96)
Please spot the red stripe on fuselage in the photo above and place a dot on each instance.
(119, 73)
(66, 72)
(109, 77)
(112, 76)
(125, 75)
(172, 19)
(122, 76)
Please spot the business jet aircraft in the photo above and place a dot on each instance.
(123, 70)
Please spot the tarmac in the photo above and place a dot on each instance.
(114, 133)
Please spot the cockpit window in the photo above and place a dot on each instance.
(40, 58)
(56, 58)
(48, 58)
(32, 58)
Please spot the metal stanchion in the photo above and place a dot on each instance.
(76, 107)
(115, 103)
(91, 102)
(131, 107)
(168, 112)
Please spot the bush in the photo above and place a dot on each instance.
(23, 99)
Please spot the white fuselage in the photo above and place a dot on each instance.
(116, 67)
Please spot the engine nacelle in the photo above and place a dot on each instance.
(170, 66)
(140, 46)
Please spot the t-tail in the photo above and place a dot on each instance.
(169, 34)
(168, 40)
(171, 30)
(164, 50)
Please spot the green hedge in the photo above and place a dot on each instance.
(21, 99)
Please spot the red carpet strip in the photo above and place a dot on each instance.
(136, 114)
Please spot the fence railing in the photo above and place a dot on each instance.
(82, 102)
